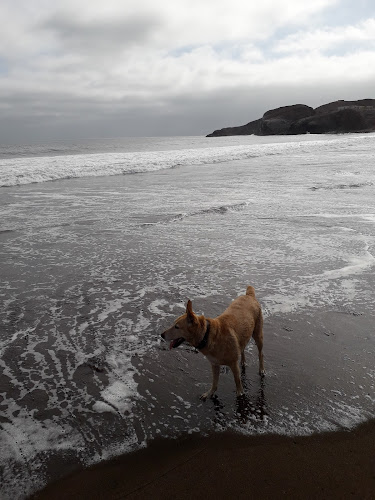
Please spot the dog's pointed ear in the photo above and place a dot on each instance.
(189, 308)
(189, 312)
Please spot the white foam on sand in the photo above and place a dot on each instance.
(21, 440)
(116, 398)
(155, 305)
(356, 265)
(112, 306)
(53, 364)
(119, 394)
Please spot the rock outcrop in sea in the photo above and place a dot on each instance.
(334, 117)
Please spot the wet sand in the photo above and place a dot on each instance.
(331, 465)
(228, 464)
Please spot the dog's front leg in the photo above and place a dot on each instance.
(236, 374)
(215, 380)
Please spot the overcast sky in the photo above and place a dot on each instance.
(102, 68)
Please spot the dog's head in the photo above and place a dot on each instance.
(185, 328)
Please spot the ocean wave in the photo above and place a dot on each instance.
(21, 171)
(220, 209)
(354, 185)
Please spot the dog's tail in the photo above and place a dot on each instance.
(250, 291)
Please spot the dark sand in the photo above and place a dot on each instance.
(331, 465)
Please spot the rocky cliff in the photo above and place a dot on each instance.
(334, 117)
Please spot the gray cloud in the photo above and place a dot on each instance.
(101, 34)
(103, 69)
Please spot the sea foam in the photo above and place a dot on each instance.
(20, 171)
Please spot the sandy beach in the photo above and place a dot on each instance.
(333, 465)
(94, 269)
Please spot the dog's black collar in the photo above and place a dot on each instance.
(204, 341)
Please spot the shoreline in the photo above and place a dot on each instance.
(328, 465)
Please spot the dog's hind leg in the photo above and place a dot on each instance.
(215, 380)
(258, 337)
(236, 374)
(243, 360)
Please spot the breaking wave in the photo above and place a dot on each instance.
(221, 209)
(355, 185)
(20, 171)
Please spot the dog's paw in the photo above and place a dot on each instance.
(262, 373)
(206, 395)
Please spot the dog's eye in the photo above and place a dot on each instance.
(176, 326)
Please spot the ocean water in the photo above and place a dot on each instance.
(102, 243)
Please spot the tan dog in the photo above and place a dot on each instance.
(223, 339)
